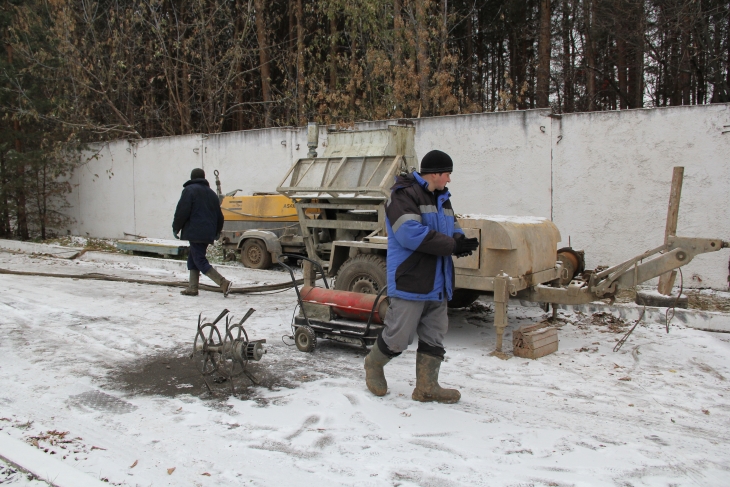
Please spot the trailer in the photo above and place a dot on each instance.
(347, 188)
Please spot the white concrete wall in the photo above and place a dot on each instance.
(603, 177)
(612, 173)
(102, 201)
(501, 160)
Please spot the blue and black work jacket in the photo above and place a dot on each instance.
(421, 227)
(198, 216)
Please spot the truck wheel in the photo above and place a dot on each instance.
(461, 298)
(364, 273)
(255, 255)
(305, 339)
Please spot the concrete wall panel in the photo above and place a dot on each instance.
(604, 177)
(161, 167)
(501, 160)
(612, 177)
(253, 160)
(102, 197)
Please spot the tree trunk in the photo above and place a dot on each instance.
(20, 199)
(397, 31)
(4, 201)
(422, 56)
(636, 59)
(588, 10)
(469, 57)
(263, 60)
(543, 55)
(621, 67)
(567, 28)
(301, 115)
(333, 53)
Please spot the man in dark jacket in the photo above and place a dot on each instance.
(423, 234)
(200, 220)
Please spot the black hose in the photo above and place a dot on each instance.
(103, 277)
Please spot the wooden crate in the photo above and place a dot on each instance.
(534, 341)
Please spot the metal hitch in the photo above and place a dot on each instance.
(226, 354)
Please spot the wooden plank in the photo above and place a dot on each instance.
(666, 281)
(534, 341)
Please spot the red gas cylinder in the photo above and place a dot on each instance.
(346, 304)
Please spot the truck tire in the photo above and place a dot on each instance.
(364, 273)
(255, 255)
(461, 298)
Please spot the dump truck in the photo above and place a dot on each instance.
(347, 188)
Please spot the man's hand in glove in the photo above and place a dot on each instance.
(464, 246)
(175, 234)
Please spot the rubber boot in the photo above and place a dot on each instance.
(222, 282)
(374, 375)
(192, 289)
(427, 382)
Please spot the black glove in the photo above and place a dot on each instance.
(464, 246)
(175, 234)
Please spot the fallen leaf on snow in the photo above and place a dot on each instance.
(97, 448)
(134, 464)
(706, 411)
(625, 378)
(170, 470)
(206, 474)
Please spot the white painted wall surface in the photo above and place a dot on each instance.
(102, 199)
(252, 160)
(603, 177)
(161, 167)
(501, 160)
(612, 174)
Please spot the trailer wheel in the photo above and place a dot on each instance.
(305, 339)
(255, 255)
(461, 298)
(364, 273)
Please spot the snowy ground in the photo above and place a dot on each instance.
(98, 374)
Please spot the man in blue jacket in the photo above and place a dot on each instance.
(199, 219)
(423, 234)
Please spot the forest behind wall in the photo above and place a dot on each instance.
(77, 71)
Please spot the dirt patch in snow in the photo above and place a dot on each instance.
(173, 373)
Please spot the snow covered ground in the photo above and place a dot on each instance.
(98, 374)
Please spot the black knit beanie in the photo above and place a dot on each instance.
(436, 161)
(197, 173)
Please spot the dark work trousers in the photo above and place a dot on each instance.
(406, 319)
(196, 257)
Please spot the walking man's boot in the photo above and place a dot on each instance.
(374, 375)
(192, 289)
(222, 282)
(427, 382)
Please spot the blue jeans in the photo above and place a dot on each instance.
(196, 257)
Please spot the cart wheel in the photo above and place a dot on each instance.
(305, 339)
